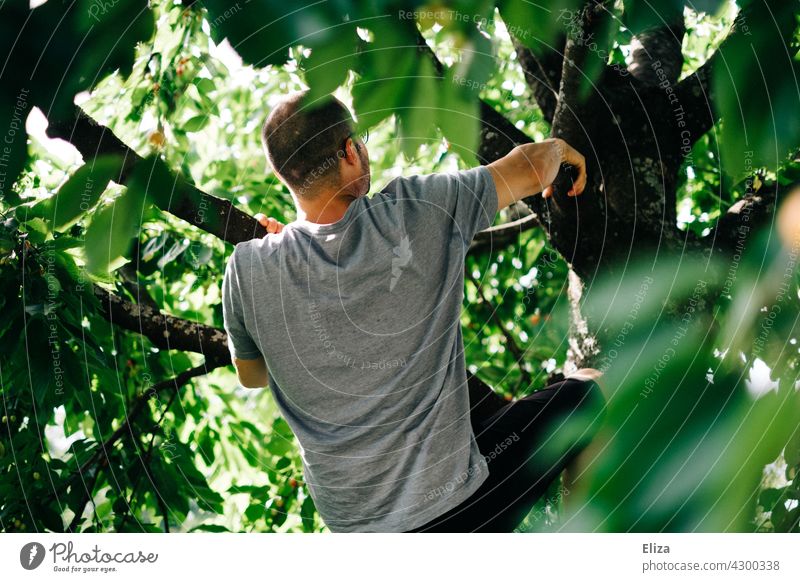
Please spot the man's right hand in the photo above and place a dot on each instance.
(272, 225)
(570, 157)
(531, 168)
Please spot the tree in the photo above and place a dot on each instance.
(112, 259)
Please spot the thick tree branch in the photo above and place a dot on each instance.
(543, 74)
(695, 95)
(187, 202)
(658, 51)
(578, 51)
(498, 135)
(166, 331)
(746, 217)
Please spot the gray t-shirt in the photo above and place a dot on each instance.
(359, 324)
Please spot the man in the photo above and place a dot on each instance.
(351, 315)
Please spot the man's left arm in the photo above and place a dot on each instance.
(252, 372)
(251, 368)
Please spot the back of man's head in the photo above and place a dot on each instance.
(304, 141)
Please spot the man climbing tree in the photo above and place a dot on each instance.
(371, 375)
(131, 166)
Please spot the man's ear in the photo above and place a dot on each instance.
(351, 152)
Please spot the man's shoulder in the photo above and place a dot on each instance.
(436, 181)
(266, 244)
(244, 253)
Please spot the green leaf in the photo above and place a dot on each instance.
(769, 498)
(641, 15)
(476, 64)
(307, 512)
(196, 123)
(210, 528)
(50, 518)
(204, 85)
(387, 68)
(109, 235)
(205, 445)
(262, 31)
(327, 66)
(82, 190)
(418, 118)
(37, 230)
(535, 24)
(375, 100)
(458, 117)
(165, 480)
(752, 91)
(255, 511)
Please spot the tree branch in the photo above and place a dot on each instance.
(498, 135)
(166, 331)
(131, 283)
(208, 212)
(577, 52)
(659, 50)
(503, 234)
(543, 74)
(742, 220)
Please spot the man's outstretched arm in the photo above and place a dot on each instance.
(531, 168)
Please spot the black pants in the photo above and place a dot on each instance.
(526, 443)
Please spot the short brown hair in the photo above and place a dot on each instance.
(304, 141)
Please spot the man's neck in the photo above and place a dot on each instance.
(324, 209)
